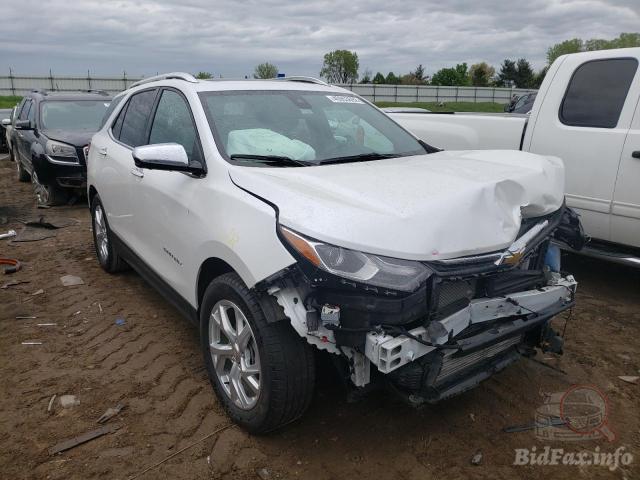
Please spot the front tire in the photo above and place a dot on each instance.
(106, 251)
(21, 174)
(263, 373)
(47, 195)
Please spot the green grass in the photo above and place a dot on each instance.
(449, 106)
(9, 101)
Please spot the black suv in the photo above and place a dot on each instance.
(50, 138)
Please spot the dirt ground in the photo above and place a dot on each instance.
(153, 365)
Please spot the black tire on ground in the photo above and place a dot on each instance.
(21, 174)
(110, 261)
(287, 370)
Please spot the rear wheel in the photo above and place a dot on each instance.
(47, 195)
(263, 373)
(103, 239)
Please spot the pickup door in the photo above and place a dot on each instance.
(625, 219)
(584, 118)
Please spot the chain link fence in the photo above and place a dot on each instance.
(432, 93)
(22, 84)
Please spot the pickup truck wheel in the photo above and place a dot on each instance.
(263, 373)
(102, 239)
(21, 174)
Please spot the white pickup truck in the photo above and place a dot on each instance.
(587, 113)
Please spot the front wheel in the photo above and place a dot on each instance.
(21, 174)
(263, 373)
(47, 195)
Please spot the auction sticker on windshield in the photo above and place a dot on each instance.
(344, 99)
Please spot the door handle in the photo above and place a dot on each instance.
(136, 173)
(102, 151)
(636, 154)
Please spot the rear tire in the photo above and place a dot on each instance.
(106, 251)
(282, 390)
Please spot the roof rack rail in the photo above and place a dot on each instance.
(187, 77)
(303, 79)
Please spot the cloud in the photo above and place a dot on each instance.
(230, 37)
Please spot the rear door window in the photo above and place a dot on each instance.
(135, 121)
(597, 92)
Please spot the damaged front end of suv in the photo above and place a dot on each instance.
(428, 329)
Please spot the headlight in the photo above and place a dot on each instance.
(61, 152)
(392, 273)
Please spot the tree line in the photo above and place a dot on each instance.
(342, 66)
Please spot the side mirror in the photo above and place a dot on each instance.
(164, 156)
(507, 108)
(24, 125)
(6, 121)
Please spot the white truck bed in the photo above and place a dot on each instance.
(464, 131)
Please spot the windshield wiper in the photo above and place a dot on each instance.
(363, 157)
(271, 159)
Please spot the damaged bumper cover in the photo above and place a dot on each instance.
(528, 309)
(471, 316)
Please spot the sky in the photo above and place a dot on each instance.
(229, 38)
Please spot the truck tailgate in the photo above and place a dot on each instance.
(465, 131)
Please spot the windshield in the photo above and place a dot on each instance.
(308, 127)
(73, 114)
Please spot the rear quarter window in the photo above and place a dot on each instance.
(597, 92)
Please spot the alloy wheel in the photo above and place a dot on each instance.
(234, 353)
(42, 192)
(100, 229)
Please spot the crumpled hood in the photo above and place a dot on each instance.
(77, 138)
(427, 207)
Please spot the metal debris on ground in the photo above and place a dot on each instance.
(32, 234)
(46, 324)
(69, 401)
(263, 473)
(110, 413)
(553, 422)
(629, 379)
(13, 265)
(32, 342)
(26, 317)
(9, 234)
(215, 432)
(49, 222)
(71, 280)
(13, 283)
(50, 407)
(80, 439)
(38, 292)
(477, 458)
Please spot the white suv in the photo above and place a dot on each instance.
(285, 215)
